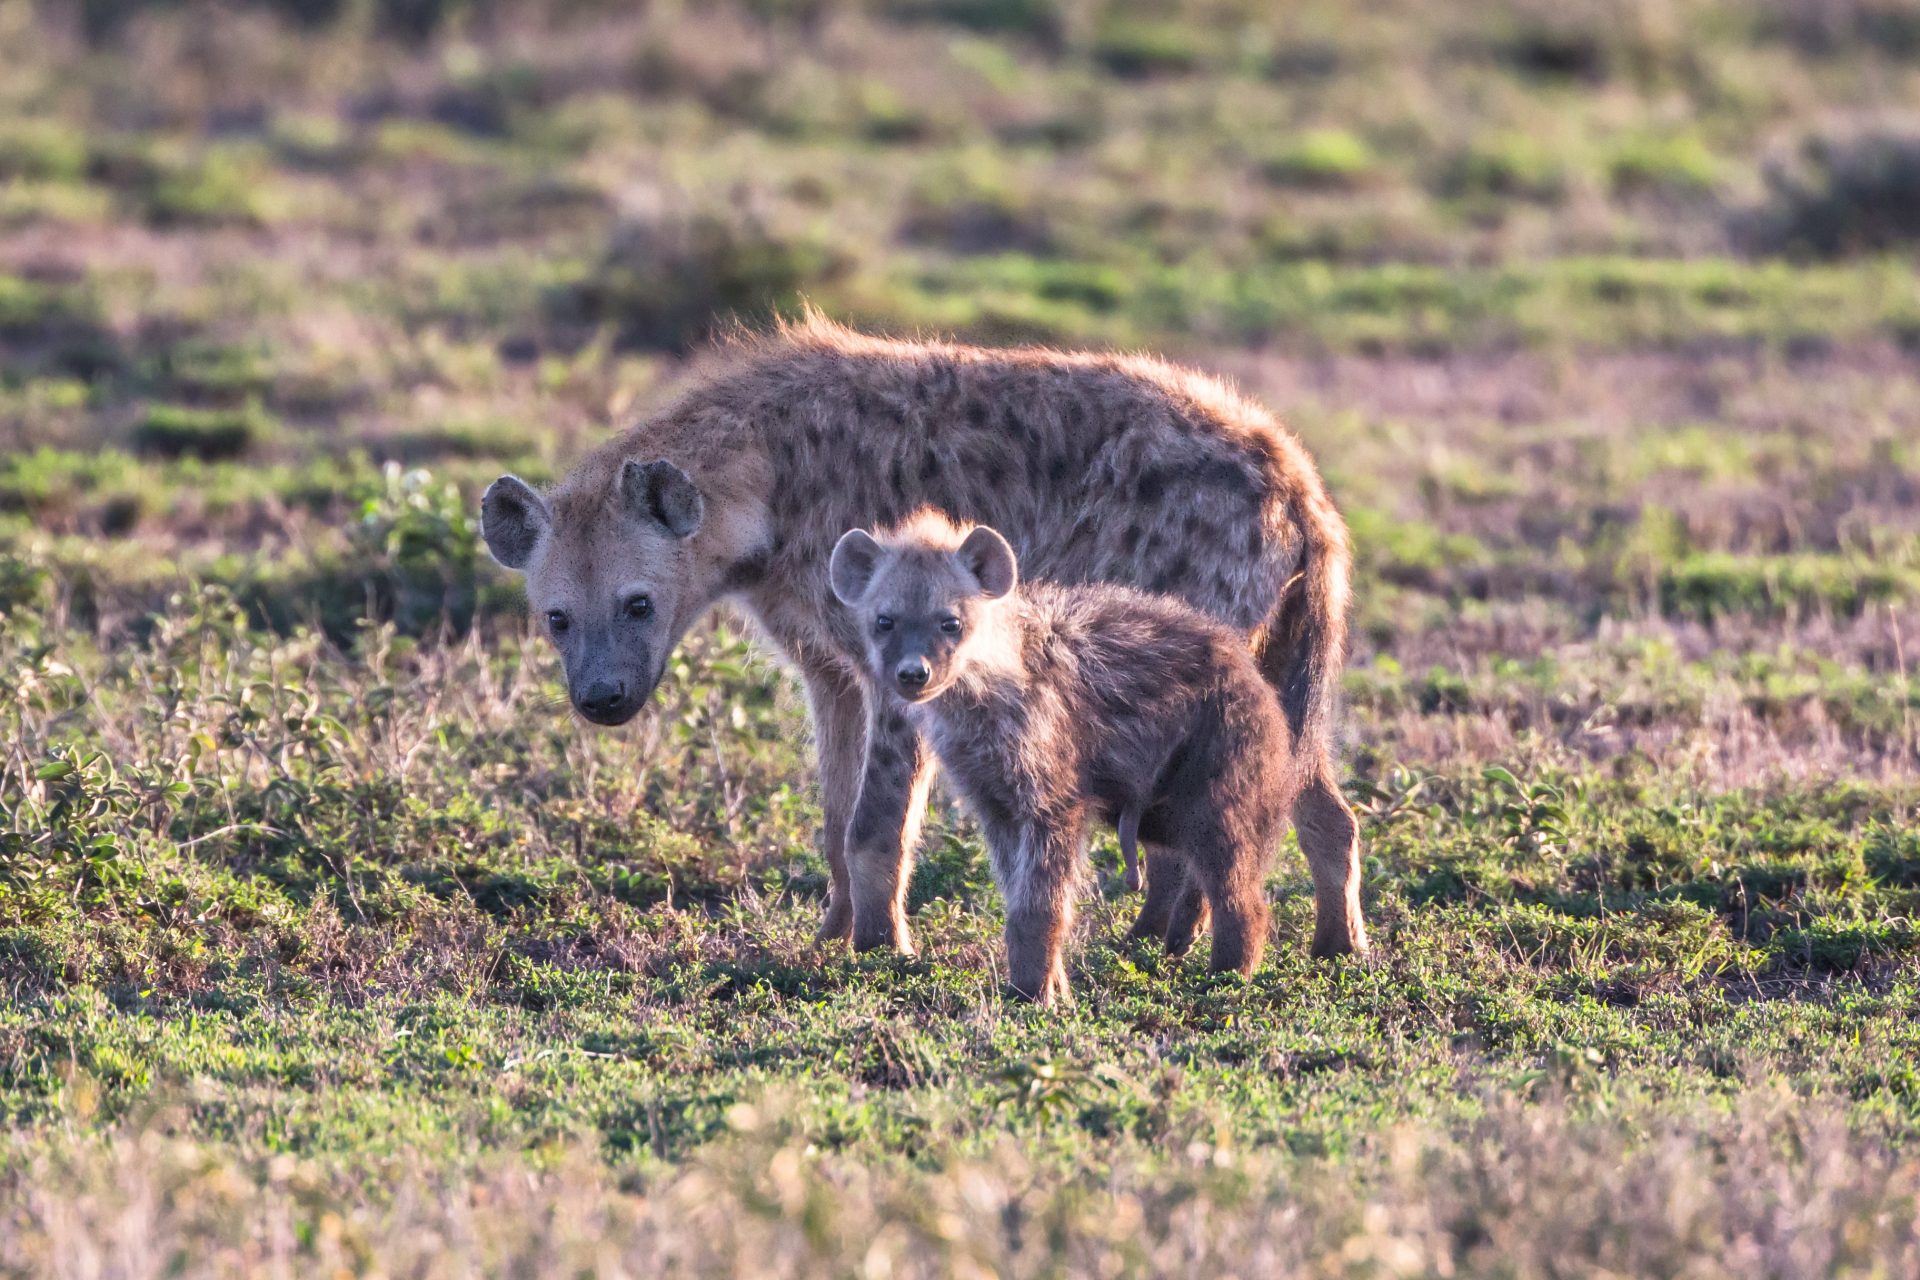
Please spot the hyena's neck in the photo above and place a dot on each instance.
(728, 462)
(975, 712)
(996, 675)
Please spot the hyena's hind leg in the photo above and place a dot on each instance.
(1330, 837)
(1231, 878)
(1328, 831)
(1175, 909)
(1189, 915)
(886, 826)
(1166, 874)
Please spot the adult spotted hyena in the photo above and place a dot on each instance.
(1051, 706)
(1097, 468)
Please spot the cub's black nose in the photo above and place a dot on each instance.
(913, 676)
(602, 698)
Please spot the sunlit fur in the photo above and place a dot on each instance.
(1097, 468)
(1054, 706)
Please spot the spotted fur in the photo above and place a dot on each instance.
(1051, 706)
(1098, 468)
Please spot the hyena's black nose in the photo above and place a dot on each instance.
(913, 674)
(602, 698)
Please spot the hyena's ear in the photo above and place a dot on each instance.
(661, 492)
(986, 555)
(513, 519)
(850, 572)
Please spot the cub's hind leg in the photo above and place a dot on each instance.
(1166, 874)
(1231, 874)
(1189, 915)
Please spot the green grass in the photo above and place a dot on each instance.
(330, 942)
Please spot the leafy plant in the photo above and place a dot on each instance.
(1533, 816)
(1050, 1089)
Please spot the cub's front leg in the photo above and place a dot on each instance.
(1038, 867)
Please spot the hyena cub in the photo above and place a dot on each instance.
(1050, 706)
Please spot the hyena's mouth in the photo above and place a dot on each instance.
(610, 715)
(925, 693)
(611, 708)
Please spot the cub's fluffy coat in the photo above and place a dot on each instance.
(1049, 706)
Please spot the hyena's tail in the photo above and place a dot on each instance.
(1305, 646)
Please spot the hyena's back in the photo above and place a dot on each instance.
(1096, 468)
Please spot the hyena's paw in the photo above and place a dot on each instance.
(1050, 991)
(1190, 916)
(836, 923)
(886, 935)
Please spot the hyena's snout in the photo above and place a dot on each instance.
(608, 702)
(912, 675)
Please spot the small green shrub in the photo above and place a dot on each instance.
(214, 189)
(1035, 18)
(1842, 195)
(1137, 48)
(1834, 946)
(1324, 158)
(479, 438)
(885, 116)
(30, 308)
(1715, 584)
(179, 431)
(971, 208)
(1514, 169)
(1679, 165)
(667, 281)
(198, 370)
(46, 150)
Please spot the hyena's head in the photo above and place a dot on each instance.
(610, 574)
(931, 598)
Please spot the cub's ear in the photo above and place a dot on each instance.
(513, 520)
(986, 555)
(850, 572)
(661, 492)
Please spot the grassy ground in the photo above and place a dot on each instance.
(328, 940)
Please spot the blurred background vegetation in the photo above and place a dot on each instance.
(251, 248)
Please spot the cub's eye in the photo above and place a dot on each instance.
(639, 606)
(950, 625)
(557, 620)
(883, 623)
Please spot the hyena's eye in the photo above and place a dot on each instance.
(557, 620)
(883, 623)
(639, 606)
(950, 625)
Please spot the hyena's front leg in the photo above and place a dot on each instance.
(886, 826)
(840, 733)
(1038, 870)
